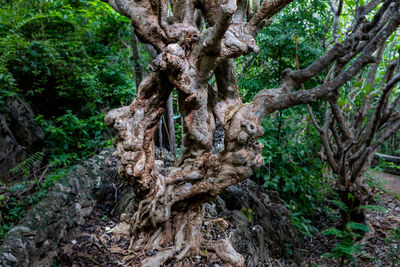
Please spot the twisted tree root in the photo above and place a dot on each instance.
(179, 239)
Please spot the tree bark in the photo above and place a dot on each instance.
(169, 212)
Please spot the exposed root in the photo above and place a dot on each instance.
(179, 239)
(224, 250)
(147, 211)
(368, 235)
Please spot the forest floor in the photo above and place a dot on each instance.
(378, 247)
(392, 181)
(99, 244)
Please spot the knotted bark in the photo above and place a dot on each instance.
(198, 41)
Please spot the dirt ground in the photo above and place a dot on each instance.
(99, 245)
(393, 181)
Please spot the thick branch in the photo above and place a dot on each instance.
(121, 6)
(265, 12)
(336, 15)
(324, 135)
(212, 44)
(374, 122)
(349, 48)
(228, 91)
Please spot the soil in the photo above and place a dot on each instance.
(99, 245)
(376, 246)
(392, 181)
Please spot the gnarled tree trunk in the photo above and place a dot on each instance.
(198, 41)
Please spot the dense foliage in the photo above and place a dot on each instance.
(292, 164)
(69, 65)
(72, 67)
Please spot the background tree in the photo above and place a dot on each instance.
(70, 68)
(196, 42)
(360, 117)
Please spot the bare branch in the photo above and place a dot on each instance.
(325, 141)
(240, 14)
(360, 116)
(394, 127)
(228, 91)
(374, 122)
(212, 44)
(336, 15)
(340, 120)
(162, 16)
(121, 6)
(270, 100)
(313, 119)
(387, 24)
(265, 12)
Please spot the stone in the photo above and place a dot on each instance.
(56, 219)
(11, 152)
(23, 124)
(20, 136)
(210, 209)
(255, 220)
(262, 235)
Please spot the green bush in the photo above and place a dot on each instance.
(69, 138)
(69, 65)
(20, 197)
(393, 242)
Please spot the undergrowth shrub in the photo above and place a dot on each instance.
(393, 242)
(69, 138)
(17, 198)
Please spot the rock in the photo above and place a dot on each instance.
(23, 124)
(260, 224)
(20, 136)
(218, 139)
(56, 219)
(210, 209)
(378, 157)
(256, 221)
(110, 189)
(11, 152)
(219, 204)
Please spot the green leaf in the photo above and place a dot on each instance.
(358, 226)
(333, 231)
(341, 205)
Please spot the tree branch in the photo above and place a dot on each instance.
(265, 12)
(121, 6)
(336, 15)
(212, 43)
(340, 120)
(374, 122)
(313, 119)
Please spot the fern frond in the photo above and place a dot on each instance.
(358, 226)
(26, 165)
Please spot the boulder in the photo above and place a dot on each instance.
(23, 125)
(11, 152)
(20, 136)
(55, 219)
(261, 226)
(379, 157)
(256, 221)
